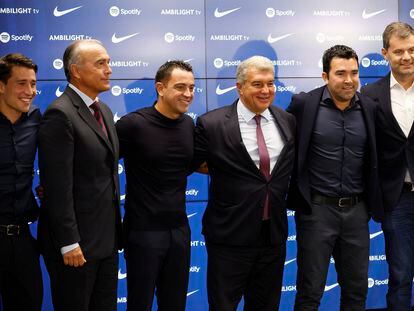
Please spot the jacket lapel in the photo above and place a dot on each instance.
(88, 117)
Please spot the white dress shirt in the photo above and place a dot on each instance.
(402, 105)
(271, 133)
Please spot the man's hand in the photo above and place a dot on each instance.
(74, 258)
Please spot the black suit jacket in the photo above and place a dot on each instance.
(304, 107)
(395, 150)
(237, 189)
(79, 172)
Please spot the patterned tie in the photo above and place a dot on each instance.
(98, 116)
(264, 162)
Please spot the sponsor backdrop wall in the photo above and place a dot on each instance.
(213, 36)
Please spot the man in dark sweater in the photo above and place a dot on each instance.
(157, 146)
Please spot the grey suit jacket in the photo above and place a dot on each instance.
(79, 172)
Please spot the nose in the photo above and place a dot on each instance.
(188, 92)
(30, 89)
(406, 55)
(265, 89)
(108, 69)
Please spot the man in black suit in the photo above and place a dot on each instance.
(334, 185)
(79, 222)
(395, 96)
(249, 150)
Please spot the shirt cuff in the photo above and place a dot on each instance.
(68, 248)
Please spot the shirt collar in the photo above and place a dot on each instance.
(86, 99)
(248, 115)
(394, 82)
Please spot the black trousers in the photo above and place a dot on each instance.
(92, 287)
(158, 260)
(21, 285)
(342, 233)
(255, 273)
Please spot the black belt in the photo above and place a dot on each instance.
(407, 187)
(13, 230)
(348, 201)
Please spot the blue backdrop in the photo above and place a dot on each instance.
(213, 36)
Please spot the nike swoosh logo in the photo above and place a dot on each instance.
(58, 92)
(289, 261)
(121, 275)
(191, 215)
(220, 91)
(219, 14)
(116, 117)
(193, 292)
(116, 39)
(188, 60)
(329, 287)
(58, 13)
(122, 197)
(366, 15)
(270, 39)
(373, 235)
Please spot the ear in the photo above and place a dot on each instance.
(160, 88)
(239, 88)
(325, 77)
(384, 53)
(2, 87)
(74, 71)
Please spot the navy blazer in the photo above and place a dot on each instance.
(238, 189)
(304, 107)
(395, 150)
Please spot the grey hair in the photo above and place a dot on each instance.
(72, 54)
(260, 63)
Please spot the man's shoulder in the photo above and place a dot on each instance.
(372, 88)
(218, 113)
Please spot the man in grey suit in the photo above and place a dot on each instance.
(80, 222)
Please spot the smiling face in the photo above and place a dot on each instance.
(92, 72)
(17, 94)
(176, 93)
(258, 90)
(400, 55)
(342, 80)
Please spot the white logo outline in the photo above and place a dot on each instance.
(220, 91)
(219, 14)
(121, 275)
(329, 287)
(289, 261)
(193, 292)
(58, 92)
(270, 39)
(191, 215)
(58, 13)
(366, 15)
(116, 39)
(375, 234)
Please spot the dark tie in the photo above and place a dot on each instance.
(98, 116)
(264, 162)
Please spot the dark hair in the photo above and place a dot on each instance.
(9, 61)
(72, 54)
(401, 30)
(341, 51)
(164, 72)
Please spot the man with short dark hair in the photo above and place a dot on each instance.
(395, 96)
(334, 185)
(21, 286)
(157, 145)
(249, 150)
(80, 225)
